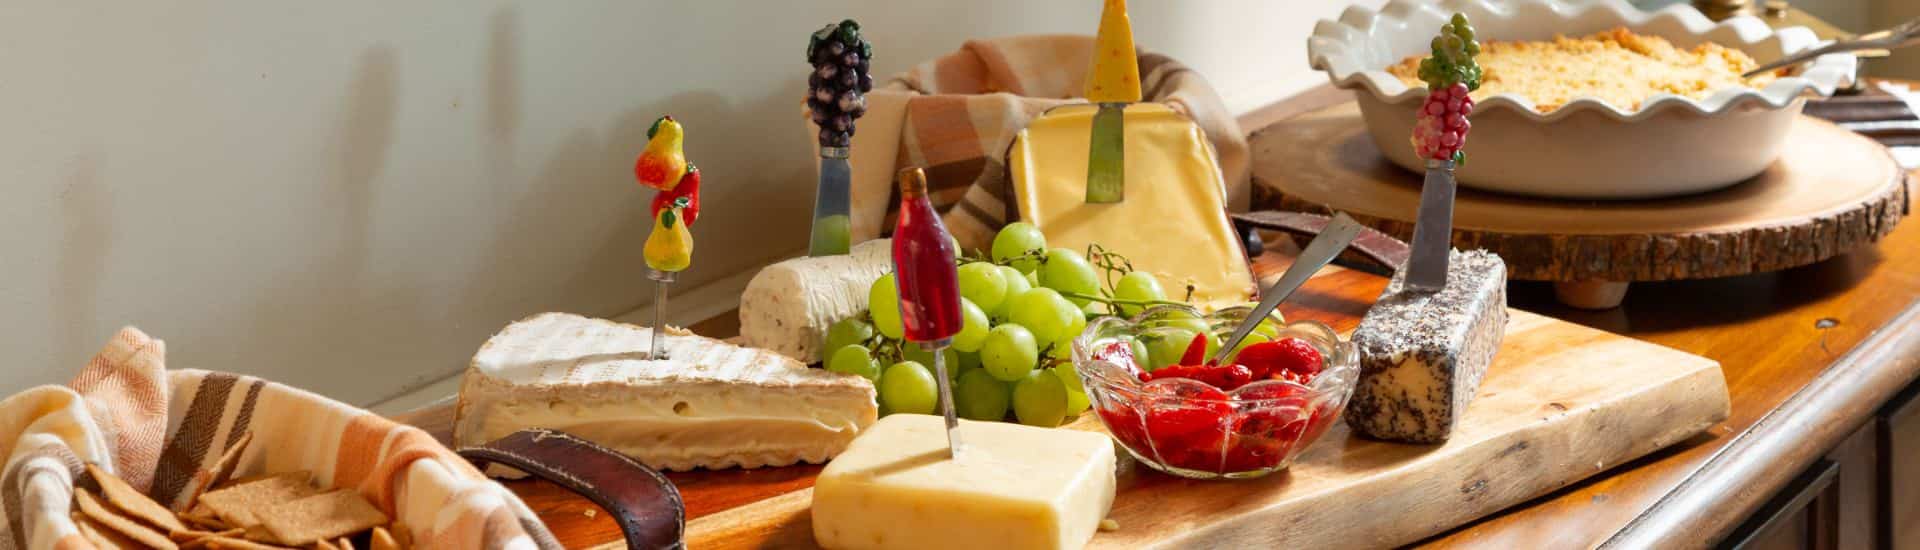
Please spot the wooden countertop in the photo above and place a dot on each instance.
(1808, 354)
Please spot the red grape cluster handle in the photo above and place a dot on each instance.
(1451, 74)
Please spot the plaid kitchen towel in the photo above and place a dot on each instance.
(956, 116)
(161, 430)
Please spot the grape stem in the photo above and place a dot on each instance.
(1121, 301)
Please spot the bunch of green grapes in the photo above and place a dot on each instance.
(1022, 304)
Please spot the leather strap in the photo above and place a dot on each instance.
(645, 504)
(1375, 246)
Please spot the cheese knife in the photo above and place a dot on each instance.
(1432, 229)
(1112, 83)
(1332, 239)
(835, 98)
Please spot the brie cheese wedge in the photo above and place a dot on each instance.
(707, 404)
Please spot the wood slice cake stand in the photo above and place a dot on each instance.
(1831, 190)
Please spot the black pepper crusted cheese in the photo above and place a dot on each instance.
(1422, 354)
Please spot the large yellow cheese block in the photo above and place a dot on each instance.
(1011, 487)
(1173, 222)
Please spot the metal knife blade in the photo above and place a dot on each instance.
(1432, 229)
(1323, 249)
(1107, 155)
(831, 234)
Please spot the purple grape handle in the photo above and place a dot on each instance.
(836, 90)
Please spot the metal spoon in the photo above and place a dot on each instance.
(1906, 34)
(1325, 247)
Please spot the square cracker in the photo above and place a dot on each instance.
(238, 505)
(101, 536)
(129, 500)
(118, 523)
(327, 515)
(222, 469)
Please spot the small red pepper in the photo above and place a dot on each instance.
(1196, 350)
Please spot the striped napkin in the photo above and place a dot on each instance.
(158, 429)
(956, 116)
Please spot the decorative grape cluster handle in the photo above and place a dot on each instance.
(836, 89)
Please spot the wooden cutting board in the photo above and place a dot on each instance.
(1560, 403)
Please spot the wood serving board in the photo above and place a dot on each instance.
(1560, 403)
(1830, 191)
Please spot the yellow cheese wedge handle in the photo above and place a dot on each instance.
(1115, 76)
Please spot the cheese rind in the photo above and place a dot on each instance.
(708, 404)
(1012, 487)
(788, 306)
(1173, 222)
(1423, 354)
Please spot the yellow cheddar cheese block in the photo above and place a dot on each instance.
(1012, 487)
(1173, 222)
(1115, 74)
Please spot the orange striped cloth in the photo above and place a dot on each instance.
(160, 430)
(956, 116)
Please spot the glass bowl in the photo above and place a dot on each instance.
(1191, 429)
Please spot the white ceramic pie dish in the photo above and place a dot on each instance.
(1587, 149)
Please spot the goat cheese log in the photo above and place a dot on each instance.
(788, 306)
(1422, 354)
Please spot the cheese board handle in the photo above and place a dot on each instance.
(643, 502)
(1375, 246)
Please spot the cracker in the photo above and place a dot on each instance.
(303, 474)
(222, 469)
(132, 529)
(324, 545)
(205, 519)
(327, 515)
(129, 500)
(382, 540)
(102, 537)
(237, 505)
(187, 538)
(344, 544)
(218, 542)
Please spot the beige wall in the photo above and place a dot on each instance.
(350, 196)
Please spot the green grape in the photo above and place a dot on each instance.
(973, 328)
(907, 387)
(1016, 283)
(1060, 351)
(1045, 313)
(883, 301)
(1139, 349)
(1040, 399)
(1251, 339)
(1033, 278)
(854, 359)
(984, 284)
(1166, 346)
(1067, 271)
(847, 332)
(1009, 352)
(913, 352)
(980, 396)
(968, 363)
(1075, 325)
(1138, 286)
(1076, 393)
(1016, 239)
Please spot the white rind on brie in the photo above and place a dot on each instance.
(707, 404)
